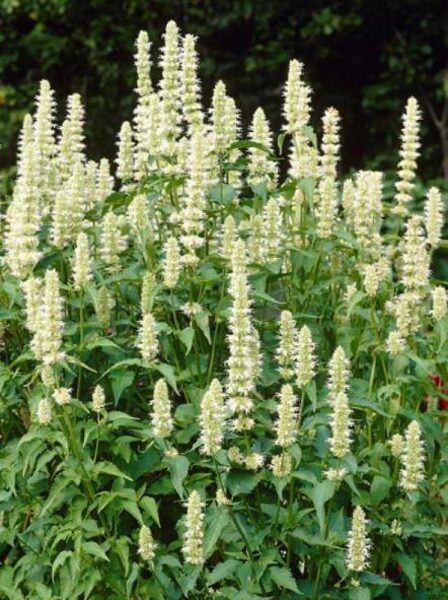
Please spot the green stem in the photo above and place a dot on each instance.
(235, 521)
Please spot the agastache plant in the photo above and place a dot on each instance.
(223, 350)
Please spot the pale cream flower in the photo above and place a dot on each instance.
(62, 396)
(434, 216)
(396, 444)
(412, 458)
(341, 425)
(254, 461)
(358, 547)
(169, 91)
(98, 399)
(161, 418)
(191, 86)
(47, 340)
(286, 425)
(148, 339)
(212, 419)
(262, 169)
(287, 345)
(305, 360)
(281, 465)
(439, 302)
(339, 373)
(44, 412)
(171, 263)
(192, 548)
(125, 156)
(409, 152)
(335, 474)
(330, 142)
(146, 545)
(82, 272)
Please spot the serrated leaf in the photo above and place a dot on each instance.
(142, 463)
(321, 494)
(188, 582)
(242, 482)
(379, 488)
(202, 321)
(186, 336)
(120, 381)
(280, 141)
(149, 505)
(94, 549)
(307, 185)
(219, 520)
(368, 404)
(309, 538)
(249, 144)
(131, 507)
(222, 192)
(179, 470)
(110, 469)
(223, 571)
(283, 578)
(260, 190)
(360, 593)
(409, 568)
(60, 560)
(168, 372)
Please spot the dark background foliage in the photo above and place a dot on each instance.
(363, 56)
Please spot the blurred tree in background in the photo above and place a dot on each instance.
(362, 56)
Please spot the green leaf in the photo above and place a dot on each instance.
(202, 321)
(222, 192)
(307, 185)
(354, 301)
(133, 576)
(248, 144)
(409, 568)
(379, 489)
(280, 141)
(94, 549)
(242, 482)
(128, 362)
(75, 361)
(309, 538)
(179, 470)
(223, 571)
(360, 593)
(367, 404)
(188, 582)
(219, 520)
(311, 391)
(186, 336)
(120, 419)
(260, 190)
(131, 507)
(60, 560)
(143, 463)
(282, 577)
(121, 547)
(120, 381)
(168, 372)
(149, 505)
(322, 493)
(110, 469)
(265, 297)
(309, 133)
